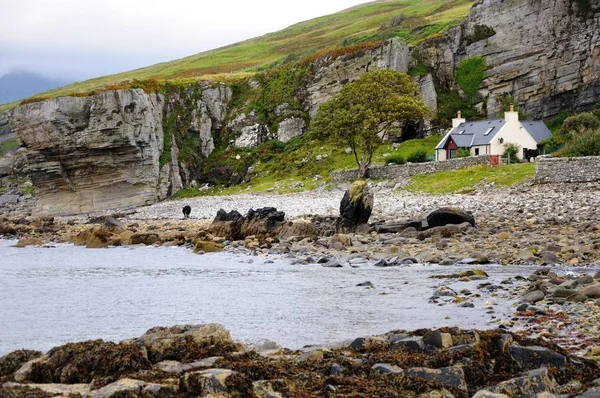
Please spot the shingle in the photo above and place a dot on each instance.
(537, 129)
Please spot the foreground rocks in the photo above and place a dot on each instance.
(202, 360)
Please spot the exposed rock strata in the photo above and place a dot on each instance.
(93, 153)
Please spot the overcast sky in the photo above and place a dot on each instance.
(81, 39)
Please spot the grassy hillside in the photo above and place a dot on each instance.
(411, 20)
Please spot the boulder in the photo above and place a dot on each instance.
(298, 229)
(227, 224)
(534, 357)
(592, 291)
(136, 388)
(449, 215)
(452, 376)
(355, 208)
(207, 247)
(147, 239)
(94, 238)
(29, 241)
(386, 368)
(532, 383)
(533, 296)
(438, 339)
(49, 390)
(266, 221)
(290, 128)
(182, 342)
(11, 362)
(211, 382)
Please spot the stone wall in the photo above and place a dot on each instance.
(557, 170)
(391, 172)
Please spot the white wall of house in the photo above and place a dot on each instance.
(483, 150)
(512, 132)
(440, 154)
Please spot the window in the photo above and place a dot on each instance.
(451, 153)
(461, 131)
(488, 131)
(476, 151)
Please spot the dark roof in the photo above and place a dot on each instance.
(537, 129)
(474, 133)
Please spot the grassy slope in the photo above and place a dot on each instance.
(457, 181)
(422, 19)
(7, 146)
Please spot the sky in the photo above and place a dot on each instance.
(81, 39)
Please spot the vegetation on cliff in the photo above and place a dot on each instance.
(367, 110)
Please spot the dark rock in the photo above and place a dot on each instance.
(410, 344)
(336, 370)
(534, 357)
(576, 298)
(504, 342)
(597, 276)
(449, 215)
(381, 263)
(366, 284)
(569, 284)
(224, 175)
(261, 222)
(355, 208)
(522, 307)
(396, 227)
(332, 264)
(549, 258)
(11, 362)
(452, 376)
(363, 343)
(585, 280)
(562, 292)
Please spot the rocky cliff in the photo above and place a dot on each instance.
(93, 153)
(544, 55)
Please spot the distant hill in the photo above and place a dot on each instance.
(410, 20)
(22, 84)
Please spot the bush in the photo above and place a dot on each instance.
(470, 75)
(578, 124)
(463, 153)
(583, 144)
(395, 158)
(511, 151)
(419, 155)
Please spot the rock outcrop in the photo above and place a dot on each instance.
(332, 74)
(545, 54)
(93, 153)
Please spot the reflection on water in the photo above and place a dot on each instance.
(49, 296)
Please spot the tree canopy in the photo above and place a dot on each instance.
(366, 110)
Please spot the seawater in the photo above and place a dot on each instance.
(50, 296)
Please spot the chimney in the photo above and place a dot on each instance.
(458, 120)
(511, 115)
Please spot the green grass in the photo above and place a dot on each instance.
(457, 181)
(423, 19)
(279, 167)
(6, 107)
(7, 146)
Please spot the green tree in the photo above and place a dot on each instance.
(365, 111)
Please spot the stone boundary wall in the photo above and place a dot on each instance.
(557, 170)
(391, 172)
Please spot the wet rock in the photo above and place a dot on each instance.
(452, 376)
(438, 339)
(147, 239)
(522, 307)
(533, 297)
(568, 284)
(549, 258)
(207, 382)
(396, 227)
(366, 284)
(332, 264)
(381, 263)
(449, 215)
(591, 291)
(49, 390)
(25, 371)
(535, 357)
(386, 368)
(94, 238)
(11, 362)
(140, 388)
(585, 280)
(446, 231)
(561, 292)
(367, 343)
(355, 208)
(182, 342)
(410, 344)
(207, 247)
(534, 382)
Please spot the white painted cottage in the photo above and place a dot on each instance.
(487, 137)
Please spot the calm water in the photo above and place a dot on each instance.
(49, 296)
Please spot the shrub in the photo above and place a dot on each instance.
(583, 144)
(463, 153)
(578, 124)
(510, 151)
(470, 75)
(395, 158)
(419, 155)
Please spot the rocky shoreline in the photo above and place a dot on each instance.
(203, 360)
(551, 227)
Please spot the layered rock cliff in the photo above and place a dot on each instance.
(93, 153)
(545, 54)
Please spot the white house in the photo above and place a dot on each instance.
(487, 137)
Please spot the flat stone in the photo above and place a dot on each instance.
(58, 389)
(124, 385)
(452, 376)
(386, 368)
(534, 382)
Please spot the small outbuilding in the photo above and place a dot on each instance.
(488, 137)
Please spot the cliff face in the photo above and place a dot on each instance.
(93, 153)
(545, 54)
